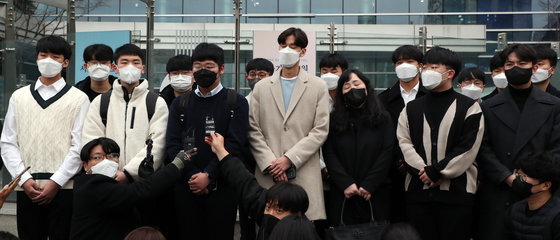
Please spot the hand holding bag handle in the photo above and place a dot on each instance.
(371, 230)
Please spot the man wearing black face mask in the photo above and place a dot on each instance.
(519, 119)
(206, 205)
(536, 181)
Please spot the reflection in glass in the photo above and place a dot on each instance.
(294, 6)
(359, 6)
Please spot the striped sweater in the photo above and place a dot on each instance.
(441, 133)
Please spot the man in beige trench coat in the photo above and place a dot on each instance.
(288, 123)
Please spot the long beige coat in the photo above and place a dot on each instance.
(297, 133)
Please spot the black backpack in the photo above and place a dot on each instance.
(151, 100)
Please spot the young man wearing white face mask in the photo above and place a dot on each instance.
(498, 75)
(181, 80)
(471, 83)
(43, 130)
(408, 64)
(546, 61)
(289, 121)
(127, 118)
(332, 66)
(98, 62)
(439, 136)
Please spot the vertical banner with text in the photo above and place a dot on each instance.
(265, 45)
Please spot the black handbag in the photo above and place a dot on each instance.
(371, 230)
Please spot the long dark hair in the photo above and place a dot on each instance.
(373, 110)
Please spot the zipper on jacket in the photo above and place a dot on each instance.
(132, 118)
(126, 99)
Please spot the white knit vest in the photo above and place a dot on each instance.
(44, 135)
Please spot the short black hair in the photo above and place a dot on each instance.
(543, 166)
(398, 231)
(523, 52)
(470, 74)
(7, 236)
(54, 44)
(128, 49)
(288, 197)
(208, 51)
(99, 52)
(301, 38)
(179, 62)
(439, 55)
(260, 64)
(407, 52)
(546, 53)
(108, 145)
(497, 61)
(294, 227)
(331, 60)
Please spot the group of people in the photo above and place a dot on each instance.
(299, 154)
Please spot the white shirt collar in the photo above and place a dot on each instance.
(213, 92)
(58, 85)
(413, 90)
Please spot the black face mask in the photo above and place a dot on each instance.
(355, 97)
(252, 82)
(518, 76)
(205, 78)
(267, 225)
(522, 189)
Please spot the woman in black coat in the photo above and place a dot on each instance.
(358, 152)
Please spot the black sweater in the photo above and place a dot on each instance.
(234, 129)
(85, 86)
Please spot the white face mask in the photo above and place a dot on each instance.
(180, 83)
(99, 72)
(431, 79)
(331, 80)
(288, 57)
(130, 74)
(106, 167)
(472, 91)
(500, 80)
(406, 72)
(540, 75)
(48, 67)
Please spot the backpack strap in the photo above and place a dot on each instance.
(151, 100)
(104, 106)
(231, 101)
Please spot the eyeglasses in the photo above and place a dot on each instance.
(260, 74)
(205, 66)
(98, 157)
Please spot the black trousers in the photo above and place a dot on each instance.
(209, 216)
(441, 221)
(37, 222)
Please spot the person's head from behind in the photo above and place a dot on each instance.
(441, 66)
(400, 231)
(256, 70)
(101, 156)
(98, 61)
(292, 44)
(536, 174)
(53, 54)
(519, 64)
(546, 63)
(208, 65)
(129, 60)
(294, 227)
(332, 65)
(180, 72)
(408, 62)
(145, 233)
(471, 82)
(497, 71)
